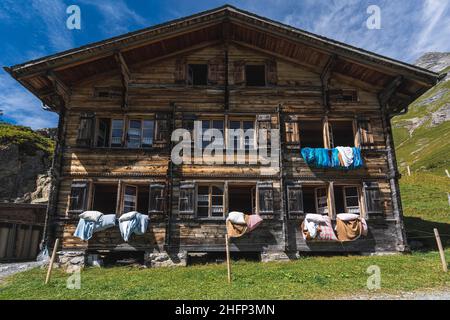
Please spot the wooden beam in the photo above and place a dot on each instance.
(59, 86)
(325, 77)
(125, 78)
(389, 91)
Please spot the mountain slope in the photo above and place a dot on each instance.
(422, 136)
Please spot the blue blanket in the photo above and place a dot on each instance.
(329, 158)
(85, 229)
(138, 225)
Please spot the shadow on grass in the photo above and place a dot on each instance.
(420, 234)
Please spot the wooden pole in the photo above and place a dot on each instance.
(409, 170)
(448, 173)
(227, 247)
(448, 197)
(441, 249)
(52, 260)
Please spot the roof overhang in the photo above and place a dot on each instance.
(50, 78)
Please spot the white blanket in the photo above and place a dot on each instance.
(236, 217)
(346, 155)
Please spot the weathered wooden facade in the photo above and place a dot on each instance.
(120, 99)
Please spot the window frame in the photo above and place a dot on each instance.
(136, 188)
(242, 138)
(192, 189)
(85, 186)
(326, 210)
(250, 65)
(162, 188)
(191, 82)
(357, 196)
(210, 206)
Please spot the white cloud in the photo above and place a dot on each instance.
(117, 16)
(21, 106)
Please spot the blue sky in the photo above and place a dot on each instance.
(33, 28)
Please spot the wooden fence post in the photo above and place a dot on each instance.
(52, 260)
(227, 247)
(409, 170)
(448, 173)
(441, 249)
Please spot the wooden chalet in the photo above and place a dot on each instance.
(119, 99)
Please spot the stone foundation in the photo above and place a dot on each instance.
(165, 259)
(279, 256)
(71, 261)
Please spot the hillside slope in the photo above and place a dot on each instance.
(422, 136)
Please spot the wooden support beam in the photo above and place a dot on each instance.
(59, 86)
(389, 91)
(125, 77)
(325, 77)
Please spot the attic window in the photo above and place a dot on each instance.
(107, 92)
(198, 74)
(255, 75)
(344, 95)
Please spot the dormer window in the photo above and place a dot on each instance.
(197, 74)
(255, 75)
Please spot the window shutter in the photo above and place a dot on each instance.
(162, 128)
(214, 71)
(265, 197)
(372, 196)
(365, 133)
(186, 199)
(180, 71)
(156, 198)
(78, 196)
(295, 199)
(239, 72)
(86, 130)
(271, 67)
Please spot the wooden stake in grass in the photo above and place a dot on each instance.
(52, 260)
(227, 248)
(409, 170)
(441, 249)
(448, 173)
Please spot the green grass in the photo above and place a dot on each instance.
(308, 278)
(425, 207)
(28, 141)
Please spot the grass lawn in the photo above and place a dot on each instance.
(425, 205)
(308, 278)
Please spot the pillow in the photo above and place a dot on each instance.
(236, 217)
(315, 218)
(91, 215)
(128, 216)
(347, 216)
(253, 221)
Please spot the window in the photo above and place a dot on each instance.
(351, 198)
(105, 198)
(197, 74)
(265, 197)
(345, 95)
(372, 198)
(341, 134)
(148, 127)
(161, 128)
(255, 75)
(210, 201)
(130, 198)
(311, 133)
(321, 200)
(295, 199)
(245, 141)
(186, 200)
(212, 124)
(116, 132)
(78, 196)
(103, 132)
(265, 123)
(134, 134)
(86, 130)
(156, 198)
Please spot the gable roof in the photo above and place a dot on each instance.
(54, 74)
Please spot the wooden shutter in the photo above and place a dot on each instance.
(239, 72)
(78, 196)
(372, 195)
(272, 76)
(162, 128)
(86, 131)
(187, 198)
(214, 71)
(180, 71)
(265, 197)
(365, 133)
(295, 199)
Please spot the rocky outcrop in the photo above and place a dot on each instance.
(435, 61)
